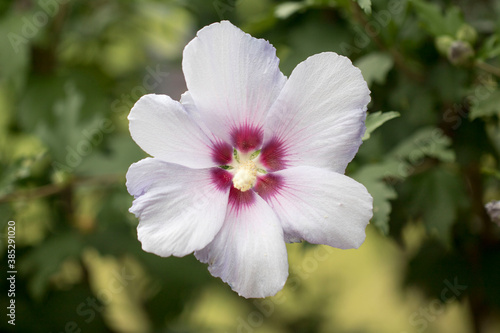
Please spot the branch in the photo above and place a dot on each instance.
(360, 17)
(52, 189)
(487, 67)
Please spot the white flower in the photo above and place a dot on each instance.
(249, 159)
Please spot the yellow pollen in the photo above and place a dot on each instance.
(245, 177)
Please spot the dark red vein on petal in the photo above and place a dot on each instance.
(247, 137)
(221, 179)
(239, 200)
(222, 153)
(272, 155)
(269, 185)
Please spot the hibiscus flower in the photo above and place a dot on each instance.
(249, 160)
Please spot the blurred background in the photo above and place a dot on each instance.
(70, 70)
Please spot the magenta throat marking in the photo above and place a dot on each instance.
(247, 137)
(272, 155)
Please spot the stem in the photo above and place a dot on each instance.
(52, 189)
(44, 55)
(398, 58)
(486, 242)
(487, 67)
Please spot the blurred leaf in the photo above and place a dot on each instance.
(15, 51)
(69, 128)
(286, 9)
(45, 259)
(433, 263)
(429, 142)
(372, 177)
(381, 193)
(119, 153)
(374, 67)
(11, 173)
(486, 107)
(490, 48)
(366, 5)
(122, 286)
(309, 37)
(33, 221)
(435, 21)
(447, 83)
(376, 119)
(437, 196)
(44, 91)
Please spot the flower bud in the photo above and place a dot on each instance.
(467, 33)
(460, 52)
(443, 43)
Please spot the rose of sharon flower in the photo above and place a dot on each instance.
(249, 159)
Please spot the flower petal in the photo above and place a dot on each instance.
(318, 119)
(180, 209)
(163, 129)
(249, 253)
(232, 77)
(320, 206)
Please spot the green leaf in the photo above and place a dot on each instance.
(308, 37)
(490, 48)
(15, 55)
(429, 142)
(73, 135)
(11, 173)
(366, 5)
(44, 260)
(486, 107)
(83, 88)
(286, 9)
(493, 132)
(435, 21)
(373, 177)
(119, 152)
(437, 196)
(375, 66)
(377, 119)
(382, 207)
(67, 130)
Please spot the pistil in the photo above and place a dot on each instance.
(245, 177)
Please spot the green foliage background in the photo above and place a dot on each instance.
(70, 70)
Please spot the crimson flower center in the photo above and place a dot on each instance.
(244, 169)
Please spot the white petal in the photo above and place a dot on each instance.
(180, 209)
(232, 77)
(163, 129)
(320, 206)
(319, 116)
(188, 104)
(249, 253)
